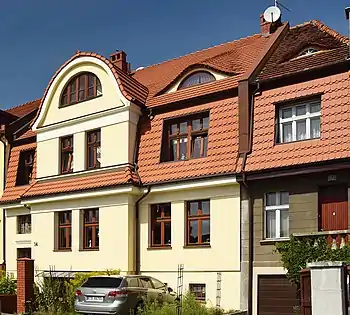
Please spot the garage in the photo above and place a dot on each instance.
(276, 295)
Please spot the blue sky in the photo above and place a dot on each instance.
(37, 36)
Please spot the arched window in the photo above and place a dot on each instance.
(308, 51)
(196, 78)
(82, 87)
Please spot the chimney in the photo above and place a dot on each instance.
(118, 58)
(267, 28)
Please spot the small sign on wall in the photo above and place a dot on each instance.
(332, 178)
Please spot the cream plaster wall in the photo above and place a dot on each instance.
(2, 182)
(108, 100)
(47, 153)
(200, 264)
(116, 233)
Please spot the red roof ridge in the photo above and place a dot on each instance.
(324, 28)
(20, 105)
(198, 51)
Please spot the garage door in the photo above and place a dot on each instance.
(276, 295)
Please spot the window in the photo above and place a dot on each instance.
(67, 154)
(161, 225)
(94, 149)
(24, 224)
(196, 78)
(80, 88)
(300, 122)
(65, 230)
(198, 222)
(198, 290)
(157, 284)
(102, 282)
(25, 172)
(276, 215)
(133, 282)
(186, 138)
(91, 229)
(146, 283)
(24, 253)
(308, 51)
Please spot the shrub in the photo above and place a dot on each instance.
(7, 283)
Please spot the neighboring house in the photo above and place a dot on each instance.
(295, 164)
(137, 170)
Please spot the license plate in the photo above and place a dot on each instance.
(94, 298)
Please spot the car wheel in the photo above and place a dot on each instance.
(139, 307)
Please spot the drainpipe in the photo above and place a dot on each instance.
(137, 234)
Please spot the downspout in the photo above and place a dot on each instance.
(246, 115)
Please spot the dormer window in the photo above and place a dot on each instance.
(82, 87)
(196, 78)
(25, 171)
(308, 51)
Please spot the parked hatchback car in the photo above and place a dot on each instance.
(120, 294)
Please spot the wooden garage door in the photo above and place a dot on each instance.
(276, 295)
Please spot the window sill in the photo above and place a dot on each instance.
(297, 141)
(272, 241)
(62, 250)
(89, 250)
(159, 248)
(197, 246)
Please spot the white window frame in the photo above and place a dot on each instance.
(276, 209)
(308, 116)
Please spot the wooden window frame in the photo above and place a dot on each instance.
(200, 217)
(66, 227)
(94, 224)
(64, 150)
(25, 250)
(94, 144)
(163, 219)
(189, 135)
(200, 297)
(25, 170)
(21, 220)
(277, 209)
(67, 91)
(307, 117)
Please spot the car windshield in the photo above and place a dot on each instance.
(102, 282)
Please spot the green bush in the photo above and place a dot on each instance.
(7, 283)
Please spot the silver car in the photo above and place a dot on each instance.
(120, 294)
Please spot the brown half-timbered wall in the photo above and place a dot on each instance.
(303, 208)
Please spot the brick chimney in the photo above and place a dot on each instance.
(267, 28)
(118, 58)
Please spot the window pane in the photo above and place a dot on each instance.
(270, 224)
(157, 284)
(314, 108)
(81, 95)
(167, 210)
(205, 231)
(271, 199)
(64, 99)
(193, 208)
(132, 282)
(287, 132)
(193, 232)
(174, 129)
(102, 282)
(91, 154)
(287, 113)
(183, 148)
(82, 82)
(99, 89)
(90, 92)
(196, 124)
(183, 127)
(315, 126)
(206, 123)
(196, 149)
(73, 98)
(301, 130)
(284, 223)
(284, 198)
(205, 146)
(167, 233)
(73, 86)
(173, 152)
(98, 156)
(62, 238)
(301, 110)
(157, 240)
(88, 237)
(91, 81)
(206, 207)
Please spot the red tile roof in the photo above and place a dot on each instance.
(24, 109)
(335, 121)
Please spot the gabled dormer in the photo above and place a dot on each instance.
(87, 119)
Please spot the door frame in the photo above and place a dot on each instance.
(319, 205)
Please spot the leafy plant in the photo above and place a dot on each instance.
(298, 251)
(7, 283)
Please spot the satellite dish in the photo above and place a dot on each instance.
(272, 14)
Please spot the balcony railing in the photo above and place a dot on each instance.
(337, 239)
